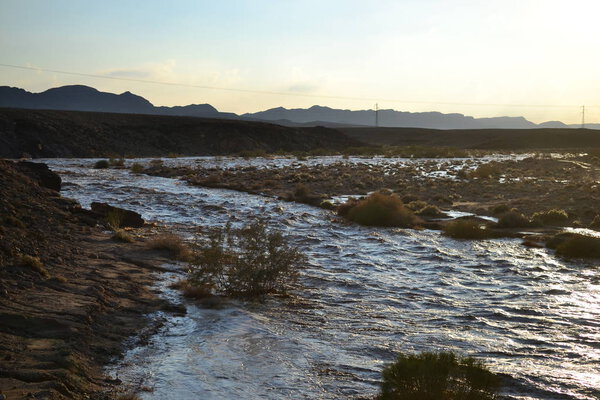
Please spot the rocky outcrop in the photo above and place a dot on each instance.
(118, 216)
(41, 174)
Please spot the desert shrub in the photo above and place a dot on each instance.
(157, 162)
(485, 171)
(551, 217)
(301, 191)
(33, 263)
(379, 209)
(576, 245)
(248, 262)
(430, 211)
(176, 246)
(462, 173)
(137, 168)
(101, 164)
(438, 376)
(129, 396)
(121, 236)
(466, 229)
(513, 219)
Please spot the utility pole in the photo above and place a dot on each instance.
(582, 117)
(376, 115)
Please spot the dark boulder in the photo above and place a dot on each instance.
(126, 218)
(40, 173)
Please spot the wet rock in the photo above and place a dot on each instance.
(127, 218)
(41, 174)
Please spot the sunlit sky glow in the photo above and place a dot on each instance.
(486, 58)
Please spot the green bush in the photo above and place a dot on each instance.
(248, 263)
(466, 229)
(379, 209)
(431, 211)
(551, 217)
(438, 376)
(101, 164)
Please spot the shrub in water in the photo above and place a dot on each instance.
(431, 211)
(466, 229)
(513, 219)
(379, 209)
(438, 376)
(248, 262)
(137, 168)
(101, 164)
(576, 245)
(551, 217)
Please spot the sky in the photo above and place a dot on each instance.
(533, 58)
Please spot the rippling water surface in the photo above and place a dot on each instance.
(367, 294)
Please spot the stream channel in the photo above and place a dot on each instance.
(366, 294)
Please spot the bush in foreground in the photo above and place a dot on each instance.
(513, 219)
(379, 209)
(438, 376)
(248, 263)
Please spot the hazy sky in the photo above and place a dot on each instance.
(486, 58)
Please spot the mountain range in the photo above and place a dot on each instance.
(85, 98)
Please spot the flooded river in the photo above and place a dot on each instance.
(367, 294)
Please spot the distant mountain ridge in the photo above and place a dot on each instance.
(85, 98)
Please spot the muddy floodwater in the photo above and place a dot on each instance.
(367, 294)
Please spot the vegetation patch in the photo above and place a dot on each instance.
(551, 217)
(101, 164)
(172, 243)
(438, 376)
(33, 263)
(249, 262)
(467, 229)
(513, 219)
(431, 211)
(121, 236)
(486, 171)
(137, 168)
(575, 245)
(379, 209)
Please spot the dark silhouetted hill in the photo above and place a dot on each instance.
(51, 133)
(85, 98)
(489, 139)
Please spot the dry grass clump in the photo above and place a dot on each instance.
(121, 236)
(379, 209)
(33, 263)
(551, 217)
(174, 244)
(438, 376)
(192, 291)
(466, 229)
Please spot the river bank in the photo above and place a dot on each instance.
(69, 294)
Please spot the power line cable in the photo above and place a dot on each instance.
(22, 67)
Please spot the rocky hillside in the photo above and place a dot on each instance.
(488, 139)
(45, 133)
